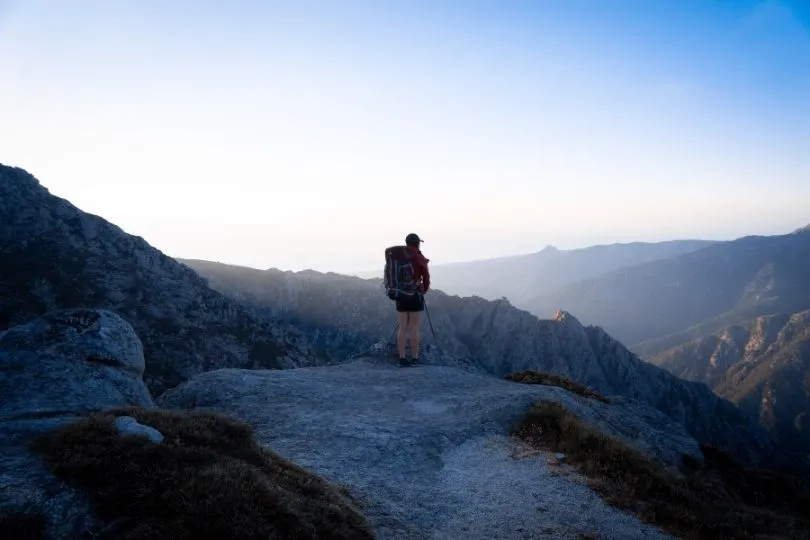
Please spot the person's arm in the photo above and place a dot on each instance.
(425, 275)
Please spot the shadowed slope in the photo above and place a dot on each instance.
(55, 256)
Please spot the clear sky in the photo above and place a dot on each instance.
(312, 134)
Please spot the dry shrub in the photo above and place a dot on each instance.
(208, 479)
(715, 500)
(552, 379)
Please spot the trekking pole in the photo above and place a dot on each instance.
(432, 331)
(394, 333)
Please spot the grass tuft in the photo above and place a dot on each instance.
(714, 500)
(208, 479)
(552, 379)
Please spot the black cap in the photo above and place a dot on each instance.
(413, 239)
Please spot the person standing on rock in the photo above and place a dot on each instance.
(411, 306)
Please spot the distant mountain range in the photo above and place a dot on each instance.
(53, 255)
(521, 278)
(667, 302)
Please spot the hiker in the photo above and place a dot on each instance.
(408, 289)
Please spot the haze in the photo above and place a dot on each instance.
(313, 134)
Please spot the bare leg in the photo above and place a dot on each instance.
(413, 333)
(402, 333)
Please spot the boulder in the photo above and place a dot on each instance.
(126, 426)
(70, 362)
(53, 370)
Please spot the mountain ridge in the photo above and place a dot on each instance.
(521, 277)
(54, 256)
(744, 278)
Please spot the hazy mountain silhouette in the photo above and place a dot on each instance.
(521, 278)
(665, 303)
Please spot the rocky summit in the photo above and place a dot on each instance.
(427, 448)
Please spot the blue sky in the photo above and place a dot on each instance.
(306, 134)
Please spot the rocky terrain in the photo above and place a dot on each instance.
(59, 370)
(762, 365)
(54, 256)
(426, 452)
(350, 315)
(358, 450)
(427, 449)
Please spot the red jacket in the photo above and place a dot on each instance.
(420, 268)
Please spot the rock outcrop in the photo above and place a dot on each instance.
(70, 362)
(53, 370)
(73, 404)
(55, 256)
(762, 365)
(127, 426)
(426, 449)
(350, 316)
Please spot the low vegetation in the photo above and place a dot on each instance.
(551, 379)
(208, 479)
(715, 499)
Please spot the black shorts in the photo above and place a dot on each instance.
(411, 303)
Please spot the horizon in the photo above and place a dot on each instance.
(278, 135)
(363, 273)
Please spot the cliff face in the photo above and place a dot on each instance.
(349, 315)
(55, 256)
(763, 366)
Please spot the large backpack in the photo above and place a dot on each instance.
(399, 277)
